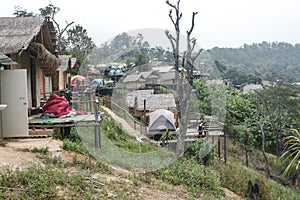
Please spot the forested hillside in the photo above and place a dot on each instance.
(269, 61)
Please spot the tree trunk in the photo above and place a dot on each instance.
(246, 154)
(184, 107)
(263, 150)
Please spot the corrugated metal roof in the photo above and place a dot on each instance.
(16, 33)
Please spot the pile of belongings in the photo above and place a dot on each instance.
(57, 106)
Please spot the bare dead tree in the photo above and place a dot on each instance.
(60, 31)
(184, 78)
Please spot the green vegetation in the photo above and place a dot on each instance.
(121, 139)
(251, 63)
(42, 150)
(2, 143)
(292, 152)
(187, 171)
(235, 176)
(72, 142)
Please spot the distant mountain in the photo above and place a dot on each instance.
(268, 61)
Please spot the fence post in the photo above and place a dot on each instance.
(97, 126)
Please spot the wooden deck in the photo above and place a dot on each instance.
(87, 120)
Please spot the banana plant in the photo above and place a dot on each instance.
(292, 152)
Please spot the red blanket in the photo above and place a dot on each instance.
(56, 105)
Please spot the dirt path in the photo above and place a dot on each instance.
(14, 156)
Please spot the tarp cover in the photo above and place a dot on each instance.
(161, 119)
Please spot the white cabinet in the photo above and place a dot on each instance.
(13, 93)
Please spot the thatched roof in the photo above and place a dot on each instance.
(5, 60)
(146, 74)
(155, 102)
(65, 59)
(168, 75)
(142, 94)
(163, 69)
(45, 57)
(16, 33)
(133, 78)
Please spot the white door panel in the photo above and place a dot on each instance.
(14, 94)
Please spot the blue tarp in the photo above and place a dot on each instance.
(97, 82)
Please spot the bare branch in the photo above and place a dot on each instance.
(171, 38)
(64, 29)
(193, 41)
(193, 23)
(196, 56)
(170, 15)
(172, 5)
(178, 15)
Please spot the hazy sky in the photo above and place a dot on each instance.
(222, 23)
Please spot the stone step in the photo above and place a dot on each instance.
(40, 132)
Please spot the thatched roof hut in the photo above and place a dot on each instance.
(142, 94)
(35, 33)
(17, 33)
(32, 43)
(155, 102)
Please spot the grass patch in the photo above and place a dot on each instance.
(122, 139)
(77, 147)
(41, 150)
(196, 177)
(235, 176)
(43, 183)
(2, 143)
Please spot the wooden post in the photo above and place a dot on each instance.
(219, 149)
(90, 101)
(97, 127)
(177, 117)
(225, 147)
(144, 115)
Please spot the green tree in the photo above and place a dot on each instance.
(78, 44)
(281, 106)
(203, 96)
(20, 12)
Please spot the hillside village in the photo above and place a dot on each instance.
(137, 124)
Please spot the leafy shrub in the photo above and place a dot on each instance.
(232, 148)
(2, 143)
(78, 147)
(202, 150)
(235, 176)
